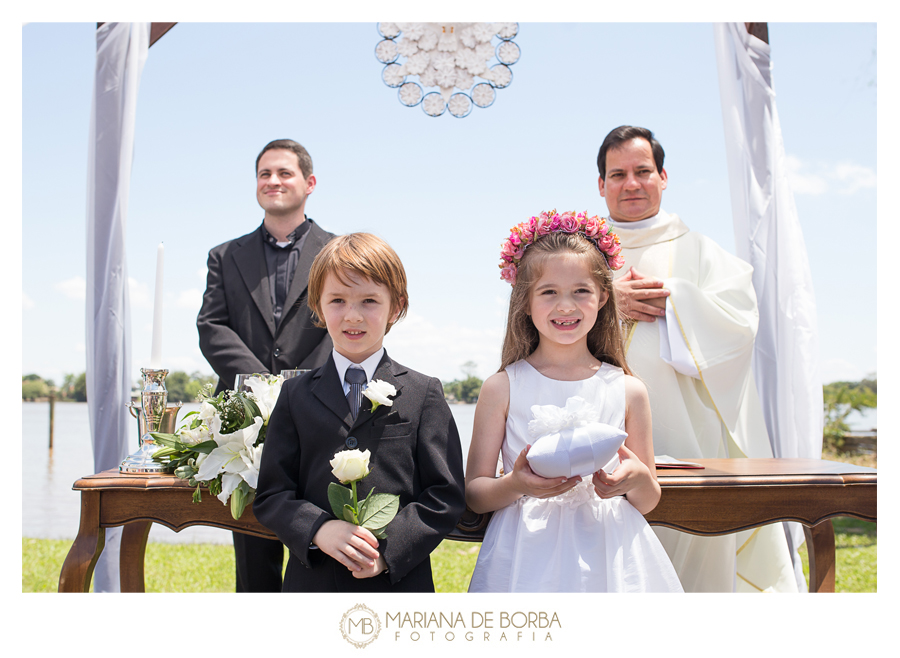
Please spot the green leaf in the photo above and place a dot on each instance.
(380, 510)
(350, 515)
(169, 440)
(338, 496)
(242, 496)
(364, 503)
(196, 496)
(164, 453)
(251, 411)
(205, 447)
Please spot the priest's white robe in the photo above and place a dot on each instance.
(716, 412)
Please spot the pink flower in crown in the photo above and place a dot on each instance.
(554, 222)
(604, 227)
(568, 222)
(510, 252)
(544, 227)
(514, 237)
(527, 232)
(615, 262)
(606, 243)
(615, 249)
(592, 227)
(508, 273)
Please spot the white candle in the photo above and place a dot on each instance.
(156, 344)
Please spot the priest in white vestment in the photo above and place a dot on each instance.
(694, 318)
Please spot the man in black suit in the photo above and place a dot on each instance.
(254, 317)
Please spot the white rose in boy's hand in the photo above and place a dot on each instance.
(378, 392)
(350, 465)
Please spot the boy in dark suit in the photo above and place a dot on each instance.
(357, 290)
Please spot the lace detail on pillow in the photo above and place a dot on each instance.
(548, 418)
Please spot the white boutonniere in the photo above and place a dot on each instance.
(380, 392)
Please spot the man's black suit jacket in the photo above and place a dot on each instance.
(237, 322)
(415, 453)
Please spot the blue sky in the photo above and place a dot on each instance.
(443, 191)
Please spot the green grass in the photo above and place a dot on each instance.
(210, 567)
(452, 564)
(855, 556)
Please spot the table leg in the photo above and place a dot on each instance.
(820, 548)
(78, 567)
(131, 555)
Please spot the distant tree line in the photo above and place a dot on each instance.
(181, 387)
(464, 390)
(841, 399)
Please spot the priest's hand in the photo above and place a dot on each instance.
(640, 297)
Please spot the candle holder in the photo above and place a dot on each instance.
(154, 398)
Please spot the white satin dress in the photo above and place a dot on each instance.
(576, 542)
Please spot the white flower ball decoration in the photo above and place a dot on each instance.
(455, 58)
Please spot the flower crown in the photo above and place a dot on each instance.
(527, 233)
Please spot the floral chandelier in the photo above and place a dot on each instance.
(449, 56)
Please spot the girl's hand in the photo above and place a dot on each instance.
(529, 483)
(631, 474)
(353, 546)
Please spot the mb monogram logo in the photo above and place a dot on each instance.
(360, 626)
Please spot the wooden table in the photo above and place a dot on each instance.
(726, 496)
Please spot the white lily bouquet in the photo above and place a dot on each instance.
(376, 511)
(221, 445)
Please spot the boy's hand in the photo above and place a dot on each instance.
(374, 570)
(353, 546)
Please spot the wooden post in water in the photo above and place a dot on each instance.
(52, 405)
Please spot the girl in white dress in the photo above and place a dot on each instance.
(563, 353)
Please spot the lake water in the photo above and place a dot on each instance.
(51, 509)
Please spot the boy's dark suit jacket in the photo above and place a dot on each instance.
(415, 453)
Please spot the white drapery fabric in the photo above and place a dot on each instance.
(121, 52)
(768, 236)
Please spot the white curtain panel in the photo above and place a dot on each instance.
(768, 236)
(121, 53)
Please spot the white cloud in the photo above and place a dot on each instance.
(841, 370)
(202, 272)
(855, 177)
(139, 294)
(439, 351)
(191, 298)
(815, 178)
(803, 182)
(74, 288)
(27, 302)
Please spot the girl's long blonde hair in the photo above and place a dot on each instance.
(604, 340)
